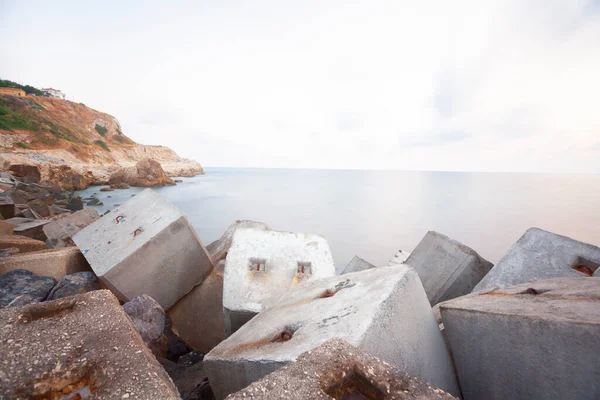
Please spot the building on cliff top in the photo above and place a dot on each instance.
(54, 93)
(13, 91)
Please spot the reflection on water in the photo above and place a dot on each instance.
(375, 213)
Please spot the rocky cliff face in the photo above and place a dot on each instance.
(52, 133)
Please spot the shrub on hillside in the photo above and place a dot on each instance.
(101, 129)
(102, 144)
(22, 145)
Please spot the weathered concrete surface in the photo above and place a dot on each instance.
(24, 244)
(148, 317)
(6, 228)
(146, 246)
(447, 268)
(29, 227)
(336, 370)
(398, 259)
(219, 248)
(84, 345)
(60, 232)
(198, 316)
(20, 287)
(73, 284)
(515, 344)
(265, 263)
(55, 263)
(383, 311)
(539, 254)
(357, 264)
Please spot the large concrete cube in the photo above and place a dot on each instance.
(539, 254)
(383, 311)
(540, 340)
(338, 370)
(447, 268)
(146, 246)
(79, 347)
(263, 263)
(357, 264)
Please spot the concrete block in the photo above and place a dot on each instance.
(83, 346)
(145, 246)
(54, 262)
(29, 227)
(540, 254)
(219, 248)
(398, 259)
(383, 311)
(7, 207)
(264, 263)
(24, 244)
(338, 370)
(6, 228)
(538, 340)
(60, 232)
(198, 316)
(357, 264)
(447, 268)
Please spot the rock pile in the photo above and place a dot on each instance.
(296, 330)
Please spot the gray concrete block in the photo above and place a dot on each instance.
(264, 263)
(60, 232)
(29, 227)
(398, 259)
(337, 370)
(219, 248)
(447, 268)
(383, 311)
(516, 344)
(146, 246)
(357, 264)
(539, 254)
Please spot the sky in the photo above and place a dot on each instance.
(505, 85)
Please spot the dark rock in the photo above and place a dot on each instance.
(191, 358)
(191, 381)
(75, 203)
(201, 392)
(20, 287)
(178, 180)
(149, 319)
(176, 347)
(95, 202)
(120, 185)
(77, 283)
(7, 207)
(107, 189)
(40, 207)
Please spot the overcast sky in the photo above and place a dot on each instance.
(429, 85)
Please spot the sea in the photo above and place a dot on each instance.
(373, 214)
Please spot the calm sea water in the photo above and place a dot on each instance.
(373, 214)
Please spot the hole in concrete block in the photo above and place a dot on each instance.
(585, 266)
(354, 386)
(286, 334)
(257, 264)
(304, 269)
(328, 293)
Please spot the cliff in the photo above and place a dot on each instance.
(51, 132)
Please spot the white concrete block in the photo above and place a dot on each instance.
(383, 311)
(146, 246)
(263, 263)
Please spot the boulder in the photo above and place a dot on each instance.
(24, 244)
(54, 262)
(540, 254)
(120, 185)
(198, 316)
(146, 172)
(29, 173)
(338, 370)
(73, 284)
(75, 203)
(146, 246)
(219, 248)
(447, 268)
(148, 318)
(7, 206)
(262, 263)
(357, 264)
(60, 232)
(538, 340)
(20, 287)
(79, 347)
(383, 311)
(106, 189)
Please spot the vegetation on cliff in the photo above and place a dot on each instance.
(28, 89)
